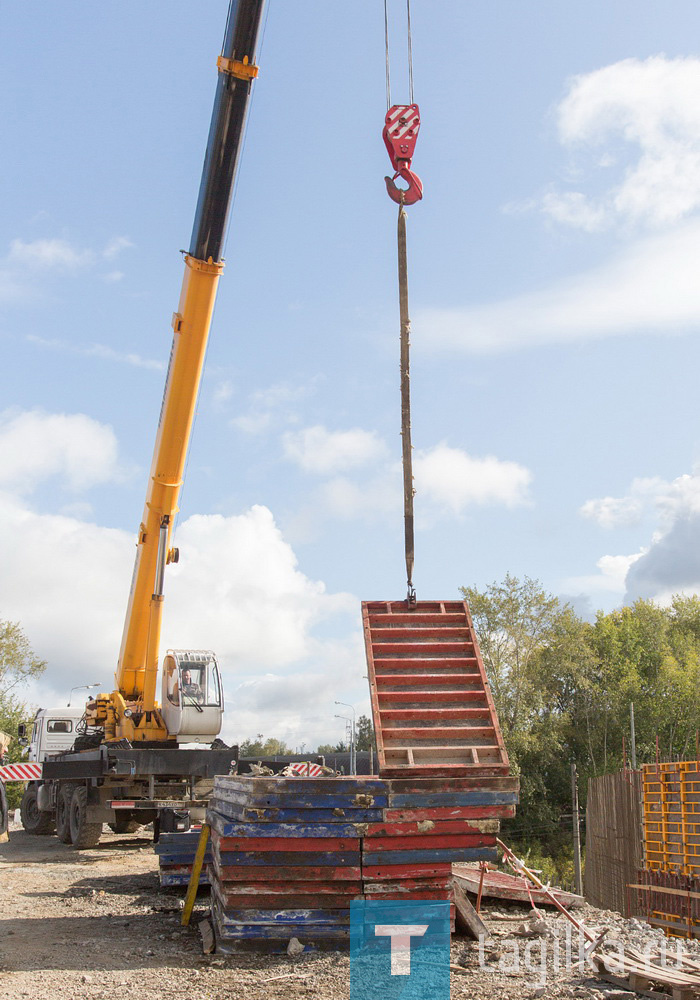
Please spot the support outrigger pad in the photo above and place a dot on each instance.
(431, 702)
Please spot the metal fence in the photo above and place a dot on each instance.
(614, 848)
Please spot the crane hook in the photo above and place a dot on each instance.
(404, 196)
(400, 132)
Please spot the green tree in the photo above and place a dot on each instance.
(18, 664)
(333, 748)
(364, 733)
(261, 747)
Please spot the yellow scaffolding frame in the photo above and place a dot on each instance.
(672, 817)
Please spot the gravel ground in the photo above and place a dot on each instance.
(93, 924)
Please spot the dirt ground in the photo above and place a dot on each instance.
(92, 925)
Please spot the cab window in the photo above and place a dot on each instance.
(59, 726)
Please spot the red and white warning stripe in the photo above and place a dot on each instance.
(411, 120)
(306, 769)
(25, 771)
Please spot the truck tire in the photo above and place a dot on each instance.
(124, 824)
(82, 833)
(63, 800)
(33, 819)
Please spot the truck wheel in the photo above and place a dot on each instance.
(124, 824)
(63, 800)
(33, 819)
(82, 833)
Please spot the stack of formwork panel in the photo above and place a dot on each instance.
(176, 853)
(287, 858)
(289, 854)
(427, 824)
(444, 785)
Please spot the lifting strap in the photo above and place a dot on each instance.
(406, 447)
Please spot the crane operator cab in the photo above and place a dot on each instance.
(192, 699)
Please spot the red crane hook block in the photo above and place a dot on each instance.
(400, 132)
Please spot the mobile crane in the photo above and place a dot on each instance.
(126, 765)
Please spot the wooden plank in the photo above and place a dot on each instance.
(194, 877)
(467, 918)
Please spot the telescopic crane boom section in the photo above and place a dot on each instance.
(131, 710)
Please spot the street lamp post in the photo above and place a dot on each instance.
(348, 731)
(353, 738)
(81, 687)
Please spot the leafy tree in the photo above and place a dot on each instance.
(364, 733)
(563, 687)
(333, 748)
(262, 747)
(18, 664)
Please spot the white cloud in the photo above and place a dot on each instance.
(238, 588)
(634, 130)
(223, 391)
(97, 351)
(649, 106)
(28, 264)
(665, 499)
(613, 512)
(670, 563)
(611, 578)
(115, 246)
(271, 407)
(452, 479)
(649, 287)
(325, 452)
(49, 253)
(74, 448)
(372, 499)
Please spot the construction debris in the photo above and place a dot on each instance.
(501, 885)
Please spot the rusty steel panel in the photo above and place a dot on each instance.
(272, 873)
(426, 661)
(432, 841)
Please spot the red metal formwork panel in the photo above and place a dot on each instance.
(431, 702)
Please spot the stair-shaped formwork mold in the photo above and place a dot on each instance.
(431, 702)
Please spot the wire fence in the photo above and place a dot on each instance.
(614, 845)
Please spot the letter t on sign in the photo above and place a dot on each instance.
(400, 935)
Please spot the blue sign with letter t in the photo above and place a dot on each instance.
(399, 949)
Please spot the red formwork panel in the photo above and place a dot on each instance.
(431, 702)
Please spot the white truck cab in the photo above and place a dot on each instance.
(53, 731)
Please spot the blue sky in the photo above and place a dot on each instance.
(554, 299)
